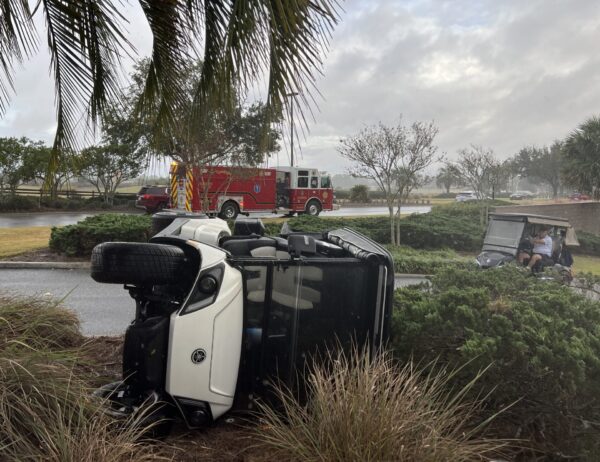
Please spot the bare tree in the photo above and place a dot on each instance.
(499, 176)
(392, 157)
(419, 153)
(476, 167)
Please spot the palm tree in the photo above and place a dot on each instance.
(238, 41)
(581, 168)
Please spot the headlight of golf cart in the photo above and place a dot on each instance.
(206, 289)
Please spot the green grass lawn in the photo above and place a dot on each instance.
(586, 264)
(14, 241)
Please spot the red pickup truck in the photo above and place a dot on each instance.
(153, 198)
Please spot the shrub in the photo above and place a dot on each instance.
(367, 409)
(359, 193)
(445, 196)
(79, 239)
(589, 244)
(437, 230)
(41, 323)
(342, 194)
(455, 227)
(62, 203)
(377, 228)
(47, 412)
(17, 203)
(540, 339)
(409, 260)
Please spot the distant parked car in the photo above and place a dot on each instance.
(465, 196)
(153, 198)
(520, 195)
(577, 196)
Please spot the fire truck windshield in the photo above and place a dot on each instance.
(325, 181)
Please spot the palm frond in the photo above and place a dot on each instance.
(245, 38)
(164, 88)
(213, 90)
(299, 34)
(85, 40)
(17, 41)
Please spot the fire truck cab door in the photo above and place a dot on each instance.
(283, 189)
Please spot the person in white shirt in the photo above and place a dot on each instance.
(542, 249)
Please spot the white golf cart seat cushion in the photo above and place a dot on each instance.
(270, 252)
(264, 252)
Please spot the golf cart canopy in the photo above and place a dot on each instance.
(505, 230)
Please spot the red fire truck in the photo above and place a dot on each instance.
(228, 191)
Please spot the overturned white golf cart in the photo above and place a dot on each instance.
(219, 317)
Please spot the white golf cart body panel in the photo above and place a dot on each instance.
(205, 231)
(216, 332)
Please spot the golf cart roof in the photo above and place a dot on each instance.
(534, 219)
(571, 237)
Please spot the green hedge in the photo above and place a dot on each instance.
(17, 203)
(79, 239)
(377, 228)
(539, 341)
(589, 244)
(455, 226)
(414, 261)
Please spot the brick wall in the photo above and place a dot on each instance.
(584, 216)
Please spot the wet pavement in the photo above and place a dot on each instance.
(21, 220)
(104, 309)
(405, 280)
(18, 220)
(366, 211)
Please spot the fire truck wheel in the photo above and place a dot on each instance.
(229, 211)
(313, 208)
(137, 263)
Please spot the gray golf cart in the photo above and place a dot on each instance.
(510, 233)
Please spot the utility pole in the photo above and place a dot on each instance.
(293, 96)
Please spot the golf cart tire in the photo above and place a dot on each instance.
(137, 263)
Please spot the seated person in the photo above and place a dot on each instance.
(542, 250)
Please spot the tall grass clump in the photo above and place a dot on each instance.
(363, 408)
(46, 408)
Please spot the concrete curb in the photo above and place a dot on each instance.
(44, 265)
(409, 275)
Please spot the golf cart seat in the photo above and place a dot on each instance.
(244, 247)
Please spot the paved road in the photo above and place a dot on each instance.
(104, 309)
(364, 211)
(409, 280)
(13, 220)
(17, 220)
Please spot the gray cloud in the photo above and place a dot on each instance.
(503, 74)
(499, 73)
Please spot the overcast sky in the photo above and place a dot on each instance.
(501, 73)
